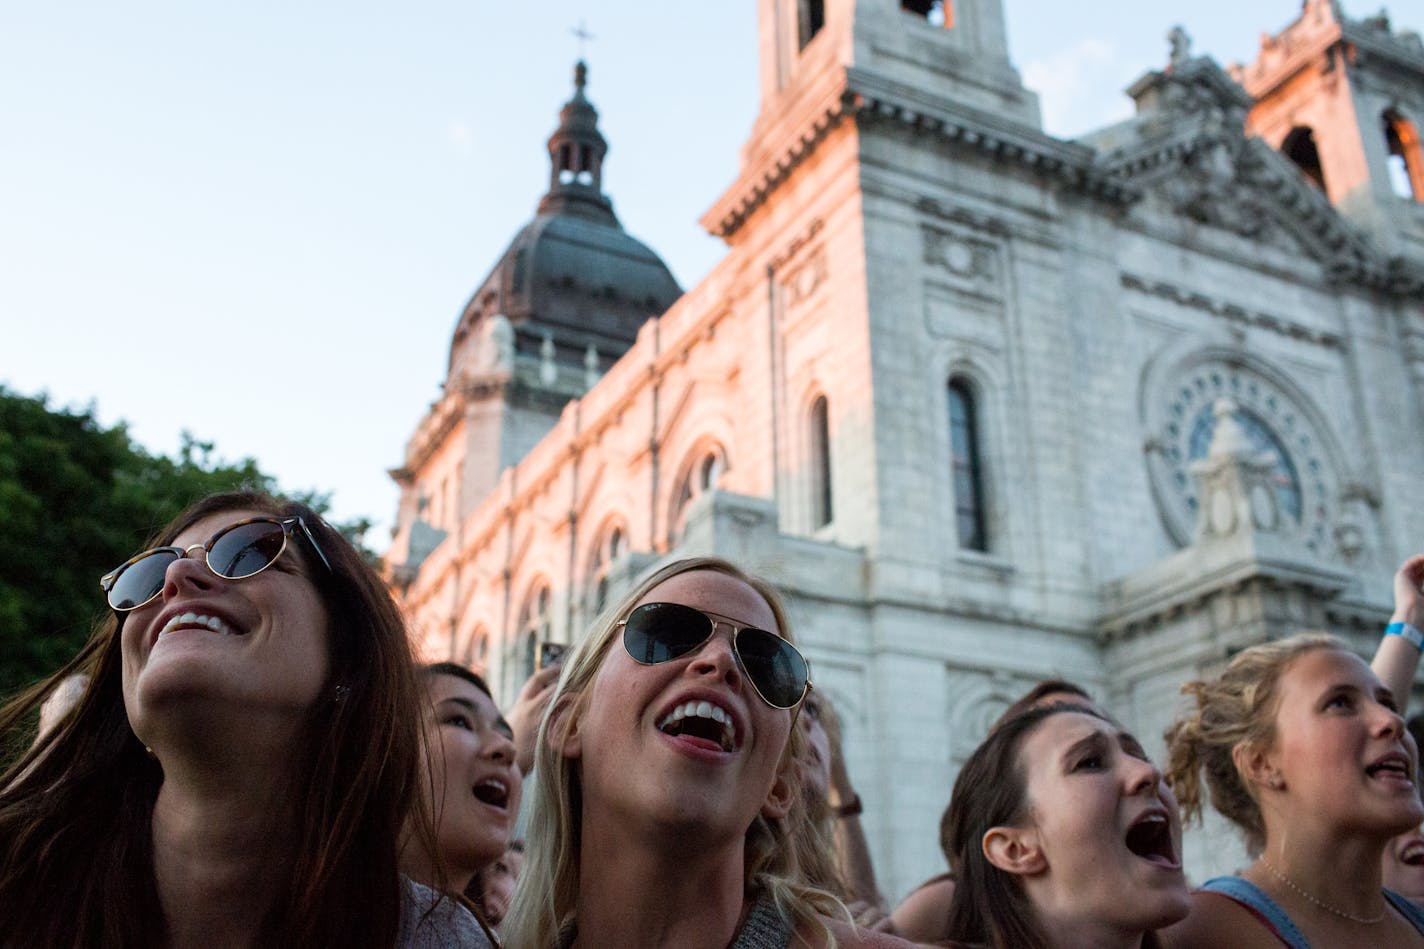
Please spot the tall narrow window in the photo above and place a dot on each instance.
(1406, 161)
(967, 471)
(821, 511)
(477, 651)
(1299, 147)
(611, 546)
(810, 17)
(533, 629)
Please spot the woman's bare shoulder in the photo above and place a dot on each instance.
(1217, 920)
(923, 916)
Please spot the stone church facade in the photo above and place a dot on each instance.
(989, 406)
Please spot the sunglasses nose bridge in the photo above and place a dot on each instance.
(704, 653)
(187, 554)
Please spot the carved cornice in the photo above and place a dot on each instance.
(875, 99)
(1348, 255)
(869, 98)
(437, 425)
(754, 187)
(1258, 179)
(1232, 313)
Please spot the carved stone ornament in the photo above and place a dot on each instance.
(1207, 190)
(803, 282)
(1282, 482)
(1235, 481)
(962, 261)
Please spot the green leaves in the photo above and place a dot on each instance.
(77, 499)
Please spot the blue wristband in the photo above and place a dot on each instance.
(1412, 635)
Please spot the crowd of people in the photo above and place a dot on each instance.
(247, 753)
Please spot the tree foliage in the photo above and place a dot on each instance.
(76, 500)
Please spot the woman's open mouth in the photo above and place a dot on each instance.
(492, 791)
(1150, 837)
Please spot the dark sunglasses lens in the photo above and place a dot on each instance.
(137, 583)
(658, 632)
(774, 666)
(244, 549)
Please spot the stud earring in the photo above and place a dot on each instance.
(341, 692)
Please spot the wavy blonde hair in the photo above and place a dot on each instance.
(547, 895)
(1238, 707)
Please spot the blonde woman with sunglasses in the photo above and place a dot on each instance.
(238, 769)
(667, 777)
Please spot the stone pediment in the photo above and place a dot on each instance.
(1188, 147)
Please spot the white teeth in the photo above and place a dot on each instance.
(196, 620)
(701, 709)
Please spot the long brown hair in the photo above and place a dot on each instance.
(990, 907)
(76, 849)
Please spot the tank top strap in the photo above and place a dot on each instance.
(1267, 910)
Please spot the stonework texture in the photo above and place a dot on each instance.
(901, 222)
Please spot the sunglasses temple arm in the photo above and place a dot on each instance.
(315, 546)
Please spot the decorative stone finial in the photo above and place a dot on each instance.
(499, 348)
(1181, 43)
(590, 366)
(548, 372)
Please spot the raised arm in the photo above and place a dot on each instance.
(1397, 657)
(528, 710)
(851, 846)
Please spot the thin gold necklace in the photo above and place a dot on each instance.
(1363, 920)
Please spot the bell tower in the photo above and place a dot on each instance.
(952, 48)
(1343, 99)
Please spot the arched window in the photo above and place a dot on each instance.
(1406, 161)
(476, 655)
(701, 476)
(611, 546)
(810, 17)
(937, 12)
(1299, 147)
(820, 463)
(966, 466)
(533, 629)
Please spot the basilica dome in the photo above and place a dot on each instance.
(572, 281)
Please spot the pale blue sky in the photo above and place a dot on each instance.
(259, 222)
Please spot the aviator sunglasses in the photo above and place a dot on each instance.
(661, 632)
(238, 551)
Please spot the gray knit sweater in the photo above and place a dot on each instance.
(428, 922)
(765, 928)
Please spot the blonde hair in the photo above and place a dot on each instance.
(815, 834)
(547, 895)
(1238, 707)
